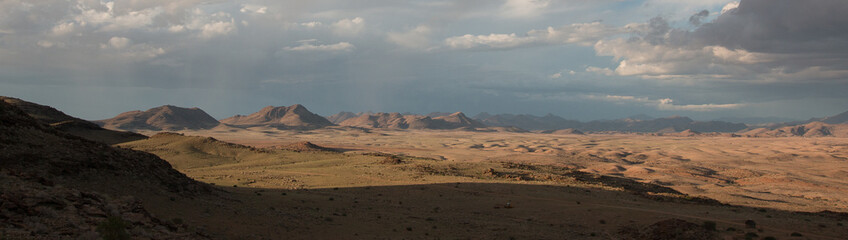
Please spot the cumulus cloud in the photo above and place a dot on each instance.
(348, 26)
(310, 46)
(119, 42)
(664, 104)
(579, 33)
(417, 38)
(63, 28)
(105, 18)
(206, 25)
(218, 28)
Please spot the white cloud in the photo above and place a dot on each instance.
(177, 29)
(729, 7)
(45, 44)
(312, 24)
(252, 8)
(524, 8)
(585, 34)
(640, 58)
(215, 29)
(63, 28)
(108, 21)
(350, 26)
(308, 45)
(119, 42)
(555, 75)
(469, 41)
(665, 104)
(418, 38)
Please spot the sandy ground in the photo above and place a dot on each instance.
(792, 173)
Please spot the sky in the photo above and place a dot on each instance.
(584, 60)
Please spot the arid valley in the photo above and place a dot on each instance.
(284, 172)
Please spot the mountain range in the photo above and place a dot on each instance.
(299, 117)
(640, 123)
(456, 120)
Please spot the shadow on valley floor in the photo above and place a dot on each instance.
(481, 211)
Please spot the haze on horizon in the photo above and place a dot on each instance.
(580, 60)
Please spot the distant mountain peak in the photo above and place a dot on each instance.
(295, 116)
(165, 117)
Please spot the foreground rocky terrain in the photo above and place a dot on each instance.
(56, 185)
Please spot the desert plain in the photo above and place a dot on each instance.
(469, 177)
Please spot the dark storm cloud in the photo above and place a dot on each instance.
(760, 40)
(696, 18)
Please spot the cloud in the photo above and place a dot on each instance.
(417, 38)
(696, 18)
(46, 44)
(665, 104)
(524, 8)
(348, 27)
(312, 24)
(495, 41)
(177, 29)
(758, 40)
(584, 34)
(108, 20)
(252, 8)
(309, 46)
(124, 47)
(119, 42)
(219, 28)
(63, 28)
(729, 7)
(602, 71)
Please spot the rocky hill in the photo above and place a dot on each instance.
(813, 129)
(68, 124)
(59, 186)
(294, 116)
(456, 120)
(161, 118)
(835, 119)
